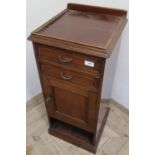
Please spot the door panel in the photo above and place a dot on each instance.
(71, 105)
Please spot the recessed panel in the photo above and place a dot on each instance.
(70, 104)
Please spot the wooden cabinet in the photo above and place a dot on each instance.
(71, 51)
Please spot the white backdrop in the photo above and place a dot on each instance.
(116, 78)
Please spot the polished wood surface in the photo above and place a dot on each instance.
(71, 51)
(92, 29)
(83, 31)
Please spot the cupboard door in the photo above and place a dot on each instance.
(70, 104)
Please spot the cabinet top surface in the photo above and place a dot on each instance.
(88, 26)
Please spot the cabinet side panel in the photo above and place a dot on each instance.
(100, 109)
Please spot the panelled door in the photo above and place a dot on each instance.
(69, 103)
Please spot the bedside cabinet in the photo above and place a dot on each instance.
(71, 51)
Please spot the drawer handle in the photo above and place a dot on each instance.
(65, 77)
(65, 59)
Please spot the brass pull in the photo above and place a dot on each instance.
(65, 77)
(65, 59)
(47, 99)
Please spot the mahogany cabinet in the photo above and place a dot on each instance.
(71, 51)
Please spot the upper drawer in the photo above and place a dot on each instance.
(77, 61)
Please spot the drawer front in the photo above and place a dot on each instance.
(77, 61)
(69, 76)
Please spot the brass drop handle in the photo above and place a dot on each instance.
(47, 99)
(65, 59)
(65, 77)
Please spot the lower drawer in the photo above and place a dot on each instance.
(69, 76)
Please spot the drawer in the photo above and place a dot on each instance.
(79, 62)
(69, 76)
